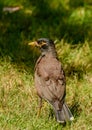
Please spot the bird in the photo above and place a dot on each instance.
(50, 81)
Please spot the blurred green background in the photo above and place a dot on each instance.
(67, 19)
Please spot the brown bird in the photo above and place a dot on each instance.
(50, 80)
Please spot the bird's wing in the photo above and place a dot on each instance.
(50, 80)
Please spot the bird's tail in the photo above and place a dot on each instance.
(64, 114)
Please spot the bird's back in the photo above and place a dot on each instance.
(50, 79)
(50, 66)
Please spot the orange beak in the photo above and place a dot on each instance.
(33, 43)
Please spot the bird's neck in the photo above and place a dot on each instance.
(49, 52)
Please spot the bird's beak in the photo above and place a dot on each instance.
(32, 43)
(36, 44)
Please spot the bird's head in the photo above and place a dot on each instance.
(46, 45)
(42, 43)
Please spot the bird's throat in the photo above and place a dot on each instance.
(49, 52)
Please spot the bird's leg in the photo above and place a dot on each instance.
(39, 106)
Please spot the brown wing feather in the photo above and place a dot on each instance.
(50, 79)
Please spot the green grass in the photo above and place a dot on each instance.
(18, 99)
(68, 23)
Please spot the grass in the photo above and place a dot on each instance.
(18, 99)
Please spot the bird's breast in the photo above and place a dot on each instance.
(49, 68)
